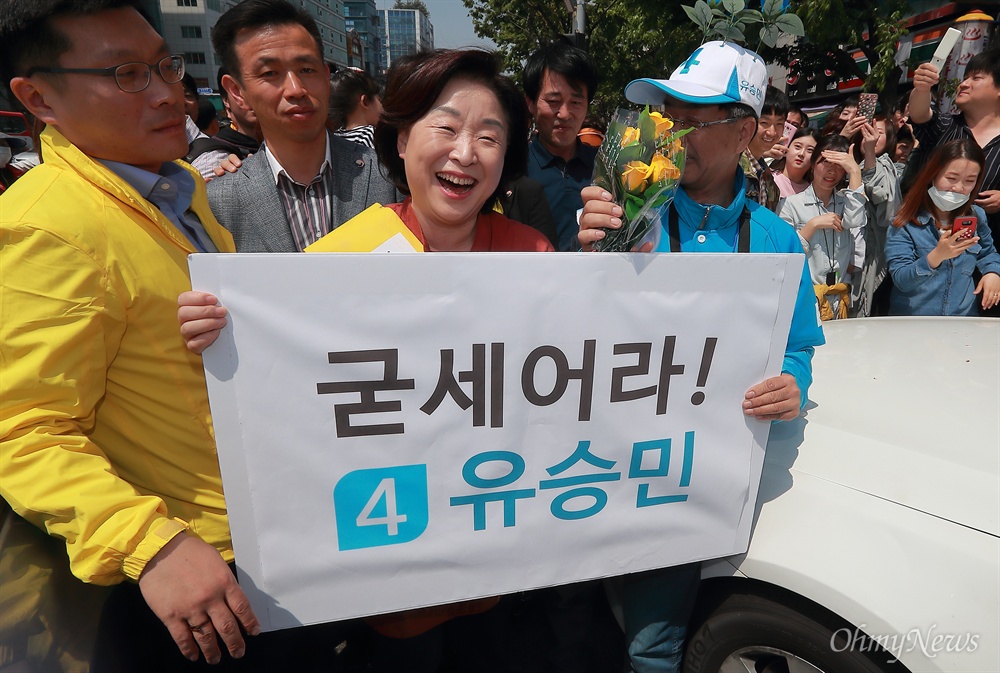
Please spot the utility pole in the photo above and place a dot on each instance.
(579, 35)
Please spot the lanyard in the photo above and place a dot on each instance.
(830, 238)
(743, 235)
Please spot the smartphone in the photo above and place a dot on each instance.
(790, 130)
(964, 225)
(945, 47)
(866, 106)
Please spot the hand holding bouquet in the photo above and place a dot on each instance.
(640, 164)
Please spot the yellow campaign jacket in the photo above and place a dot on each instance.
(105, 434)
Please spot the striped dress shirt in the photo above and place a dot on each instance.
(307, 206)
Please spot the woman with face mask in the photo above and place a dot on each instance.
(932, 263)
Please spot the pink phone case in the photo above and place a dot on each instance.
(786, 138)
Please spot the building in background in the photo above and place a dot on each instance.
(355, 50)
(151, 9)
(362, 17)
(407, 31)
(329, 15)
(186, 25)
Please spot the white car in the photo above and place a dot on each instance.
(877, 542)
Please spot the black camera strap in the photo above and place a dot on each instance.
(742, 236)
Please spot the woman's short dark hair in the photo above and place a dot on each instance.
(806, 131)
(413, 86)
(347, 86)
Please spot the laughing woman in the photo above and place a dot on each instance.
(453, 134)
(452, 137)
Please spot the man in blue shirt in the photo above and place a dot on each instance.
(719, 92)
(559, 82)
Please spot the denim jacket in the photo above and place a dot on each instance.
(946, 290)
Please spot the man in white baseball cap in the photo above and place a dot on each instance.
(718, 91)
(716, 73)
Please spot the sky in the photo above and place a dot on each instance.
(452, 25)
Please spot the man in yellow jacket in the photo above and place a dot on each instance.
(106, 439)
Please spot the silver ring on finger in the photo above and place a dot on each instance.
(197, 628)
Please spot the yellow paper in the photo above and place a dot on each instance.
(376, 229)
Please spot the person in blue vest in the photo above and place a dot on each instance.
(719, 92)
(559, 82)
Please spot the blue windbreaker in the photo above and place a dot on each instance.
(714, 229)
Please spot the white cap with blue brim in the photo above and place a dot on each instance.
(717, 73)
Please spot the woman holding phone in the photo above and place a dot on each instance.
(939, 238)
(878, 172)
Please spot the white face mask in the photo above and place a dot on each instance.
(947, 201)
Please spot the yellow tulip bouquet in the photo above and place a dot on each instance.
(640, 164)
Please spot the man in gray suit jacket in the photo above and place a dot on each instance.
(248, 205)
(304, 182)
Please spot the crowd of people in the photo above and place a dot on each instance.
(107, 439)
(842, 188)
(894, 151)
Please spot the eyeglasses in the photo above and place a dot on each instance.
(684, 124)
(130, 77)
